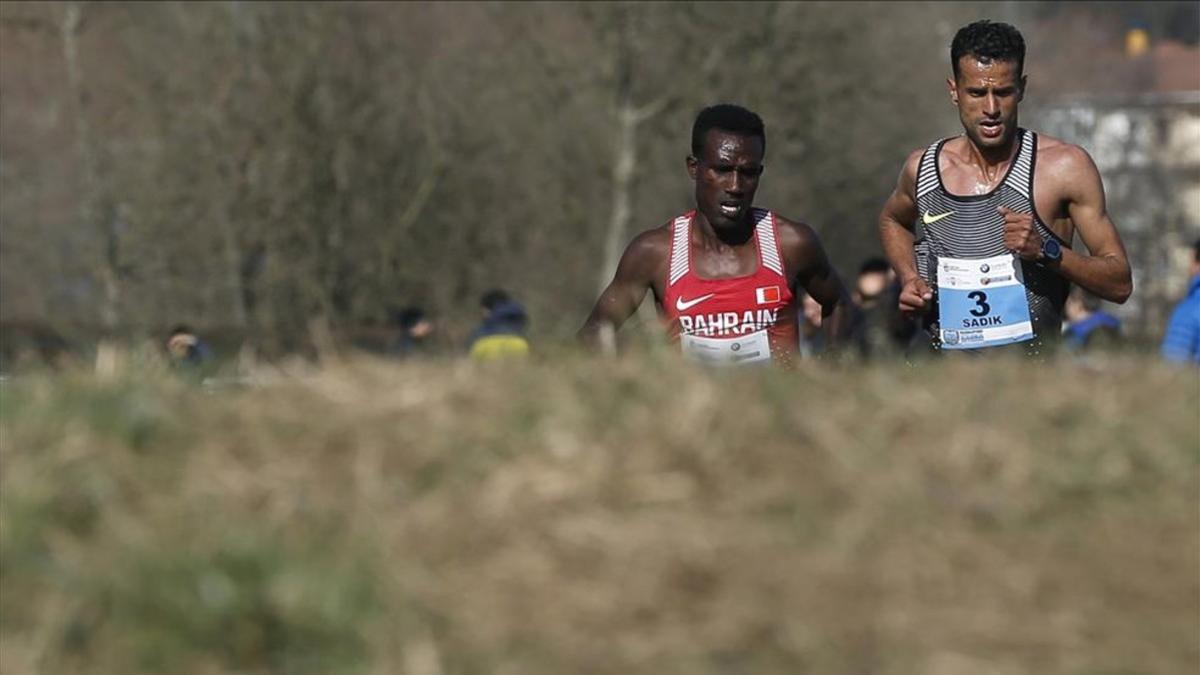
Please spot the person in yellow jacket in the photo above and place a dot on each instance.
(502, 333)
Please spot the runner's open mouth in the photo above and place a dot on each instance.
(731, 208)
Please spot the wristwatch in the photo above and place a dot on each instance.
(1051, 251)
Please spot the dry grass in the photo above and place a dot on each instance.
(628, 516)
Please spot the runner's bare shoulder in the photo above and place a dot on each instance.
(648, 253)
(798, 241)
(1062, 160)
(793, 232)
(906, 182)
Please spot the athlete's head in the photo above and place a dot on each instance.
(728, 144)
(1194, 268)
(988, 60)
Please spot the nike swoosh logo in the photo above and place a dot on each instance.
(683, 305)
(929, 220)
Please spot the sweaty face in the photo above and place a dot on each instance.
(726, 176)
(987, 93)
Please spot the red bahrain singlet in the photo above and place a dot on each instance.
(735, 320)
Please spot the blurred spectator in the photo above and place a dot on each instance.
(1181, 342)
(186, 349)
(414, 333)
(1089, 327)
(882, 330)
(811, 337)
(502, 333)
(874, 277)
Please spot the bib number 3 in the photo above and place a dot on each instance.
(981, 307)
(982, 303)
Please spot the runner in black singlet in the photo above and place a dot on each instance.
(998, 208)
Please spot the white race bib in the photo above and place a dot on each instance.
(751, 348)
(982, 303)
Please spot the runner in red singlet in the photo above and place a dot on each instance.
(724, 275)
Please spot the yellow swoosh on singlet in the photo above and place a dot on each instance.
(929, 220)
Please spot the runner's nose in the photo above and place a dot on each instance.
(736, 183)
(991, 106)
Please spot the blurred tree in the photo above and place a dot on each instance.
(253, 166)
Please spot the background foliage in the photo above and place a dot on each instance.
(253, 167)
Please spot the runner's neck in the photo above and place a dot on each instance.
(992, 162)
(731, 237)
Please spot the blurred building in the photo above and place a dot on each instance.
(1141, 124)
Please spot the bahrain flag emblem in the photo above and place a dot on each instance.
(767, 295)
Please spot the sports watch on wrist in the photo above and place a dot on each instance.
(1051, 251)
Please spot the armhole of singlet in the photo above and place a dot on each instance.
(917, 178)
(1033, 143)
(1032, 163)
(778, 246)
(937, 168)
(928, 157)
(678, 260)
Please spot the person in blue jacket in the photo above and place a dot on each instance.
(1181, 343)
(187, 353)
(1089, 327)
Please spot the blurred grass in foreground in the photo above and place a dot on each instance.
(628, 516)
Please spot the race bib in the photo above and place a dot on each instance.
(982, 303)
(751, 348)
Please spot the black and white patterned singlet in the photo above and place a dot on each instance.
(975, 229)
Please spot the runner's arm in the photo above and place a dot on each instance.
(897, 222)
(817, 276)
(624, 294)
(1105, 271)
(898, 219)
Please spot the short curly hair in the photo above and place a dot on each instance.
(988, 41)
(726, 117)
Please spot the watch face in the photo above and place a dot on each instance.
(1051, 249)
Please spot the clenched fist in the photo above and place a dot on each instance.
(1020, 236)
(915, 297)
